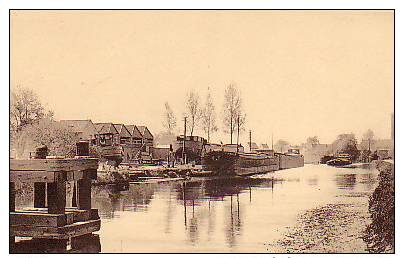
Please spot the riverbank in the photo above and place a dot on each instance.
(380, 233)
(333, 228)
(361, 223)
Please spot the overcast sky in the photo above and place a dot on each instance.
(301, 73)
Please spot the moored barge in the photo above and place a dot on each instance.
(223, 163)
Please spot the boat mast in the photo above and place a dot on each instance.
(183, 142)
(250, 140)
(238, 131)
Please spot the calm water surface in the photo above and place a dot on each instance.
(221, 215)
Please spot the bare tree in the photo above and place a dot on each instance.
(193, 111)
(25, 109)
(208, 116)
(233, 116)
(170, 121)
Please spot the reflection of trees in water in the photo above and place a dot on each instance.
(210, 191)
(221, 187)
(345, 181)
(233, 224)
(312, 181)
(211, 218)
(369, 180)
(170, 212)
(110, 198)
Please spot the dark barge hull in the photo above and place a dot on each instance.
(223, 163)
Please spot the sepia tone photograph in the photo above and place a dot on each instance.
(202, 131)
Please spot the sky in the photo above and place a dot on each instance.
(300, 73)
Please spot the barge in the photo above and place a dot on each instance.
(291, 159)
(224, 163)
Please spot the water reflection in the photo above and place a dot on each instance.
(219, 215)
(346, 181)
(85, 244)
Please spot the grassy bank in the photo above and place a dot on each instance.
(380, 233)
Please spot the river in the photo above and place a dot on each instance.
(314, 208)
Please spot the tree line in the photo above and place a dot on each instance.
(203, 115)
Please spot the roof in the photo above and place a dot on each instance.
(122, 130)
(105, 128)
(86, 127)
(254, 145)
(134, 131)
(145, 132)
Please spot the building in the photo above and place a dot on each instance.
(213, 147)
(84, 129)
(233, 147)
(147, 138)
(136, 136)
(163, 153)
(107, 135)
(314, 152)
(124, 135)
(253, 146)
(264, 149)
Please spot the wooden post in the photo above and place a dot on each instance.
(84, 193)
(74, 198)
(39, 195)
(56, 197)
(11, 239)
(12, 196)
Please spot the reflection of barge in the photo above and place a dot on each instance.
(230, 163)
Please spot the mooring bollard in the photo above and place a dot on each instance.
(40, 187)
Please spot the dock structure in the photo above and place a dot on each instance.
(50, 218)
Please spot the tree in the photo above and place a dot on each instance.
(233, 116)
(193, 111)
(170, 121)
(25, 109)
(281, 145)
(59, 139)
(312, 141)
(208, 116)
(346, 143)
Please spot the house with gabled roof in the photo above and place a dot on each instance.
(135, 134)
(107, 135)
(123, 133)
(84, 129)
(147, 137)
